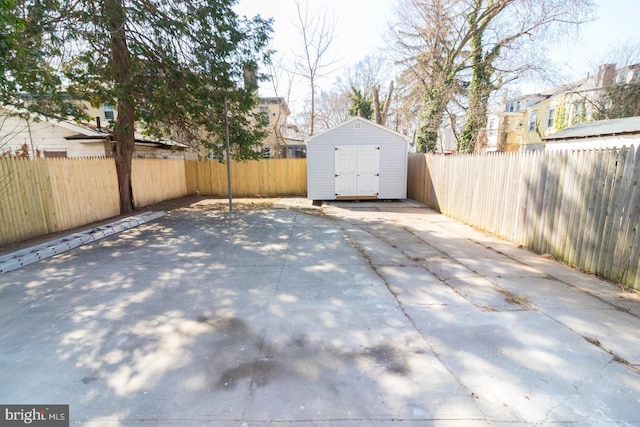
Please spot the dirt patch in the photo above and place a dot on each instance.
(242, 204)
(517, 300)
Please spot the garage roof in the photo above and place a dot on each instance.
(626, 126)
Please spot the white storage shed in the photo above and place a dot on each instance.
(357, 159)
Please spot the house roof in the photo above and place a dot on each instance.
(88, 133)
(626, 126)
(85, 132)
(359, 119)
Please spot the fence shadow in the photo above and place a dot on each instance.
(581, 207)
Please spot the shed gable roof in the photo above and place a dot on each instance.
(353, 120)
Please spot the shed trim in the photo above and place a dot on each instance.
(358, 119)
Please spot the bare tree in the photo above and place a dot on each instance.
(500, 29)
(317, 32)
(457, 50)
(368, 76)
(431, 52)
(381, 111)
(333, 109)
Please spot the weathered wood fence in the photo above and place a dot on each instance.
(582, 207)
(41, 196)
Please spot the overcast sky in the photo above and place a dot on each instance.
(361, 26)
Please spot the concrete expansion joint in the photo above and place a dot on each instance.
(540, 270)
(402, 309)
(615, 357)
(17, 259)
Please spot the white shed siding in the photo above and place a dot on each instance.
(320, 172)
(321, 158)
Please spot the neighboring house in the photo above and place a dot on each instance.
(616, 133)
(278, 144)
(357, 159)
(40, 136)
(526, 122)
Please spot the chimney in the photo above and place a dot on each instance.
(250, 74)
(98, 123)
(606, 75)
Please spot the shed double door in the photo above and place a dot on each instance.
(357, 170)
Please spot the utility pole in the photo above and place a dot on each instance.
(226, 126)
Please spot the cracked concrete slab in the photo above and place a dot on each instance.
(378, 314)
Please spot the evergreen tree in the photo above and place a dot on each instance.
(167, 66)
(360, 104)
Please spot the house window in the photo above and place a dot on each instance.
(551, 117)
(108, 112)
(264, 111)
(533, 117)
(55, 154)
(579, 114)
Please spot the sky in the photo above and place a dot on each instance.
(361, 27)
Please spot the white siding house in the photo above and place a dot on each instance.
(40, 136)
(357, 159)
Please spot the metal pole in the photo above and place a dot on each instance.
(226, 125)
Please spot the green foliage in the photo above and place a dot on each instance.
(182, 59)
(426, 140)
(561, 120)
(482, 80)
(360, 103)
(434, 101)
(581, 113)
(623, 101)
(25, 60)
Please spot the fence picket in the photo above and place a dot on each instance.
(627, 251)
(612, 218)
(558, 229)
(585, 176)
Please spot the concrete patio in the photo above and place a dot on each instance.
(377, 314)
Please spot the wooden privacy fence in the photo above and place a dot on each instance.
(46, 195)
(155, 180)
(582, 207)
(274, 177)
(42, 196)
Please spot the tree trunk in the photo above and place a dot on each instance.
(125, 122)
(480, 87)
(312, 123)
(376, 104)
(434, 103)
(387, 104)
